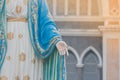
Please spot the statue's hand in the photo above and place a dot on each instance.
(62, 48)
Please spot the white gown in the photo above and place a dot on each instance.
(20, 62)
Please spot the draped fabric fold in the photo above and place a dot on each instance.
(3, 36)
(54, 68)
(43, 30)
(44, 35)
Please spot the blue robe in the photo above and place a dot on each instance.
(44, 35)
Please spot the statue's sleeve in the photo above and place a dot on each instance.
(47, 31)
(53, 64)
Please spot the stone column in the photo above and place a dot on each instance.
(111, 39)
(111, 51)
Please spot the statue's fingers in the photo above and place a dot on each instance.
(64, 52)
(67, 52)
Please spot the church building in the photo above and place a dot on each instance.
(91, 28)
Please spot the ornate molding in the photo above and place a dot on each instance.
(110, 28)
(80, 64)
(80, 58)
(80, 32)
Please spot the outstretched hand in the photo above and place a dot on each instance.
(62, 48)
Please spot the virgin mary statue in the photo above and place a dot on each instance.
(31, 47)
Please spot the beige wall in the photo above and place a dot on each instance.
(112, 59)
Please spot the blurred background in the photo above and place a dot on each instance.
(91, 28)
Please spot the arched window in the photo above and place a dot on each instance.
(91, 64)
(91, 71)
(86, 67)
(71, 61)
